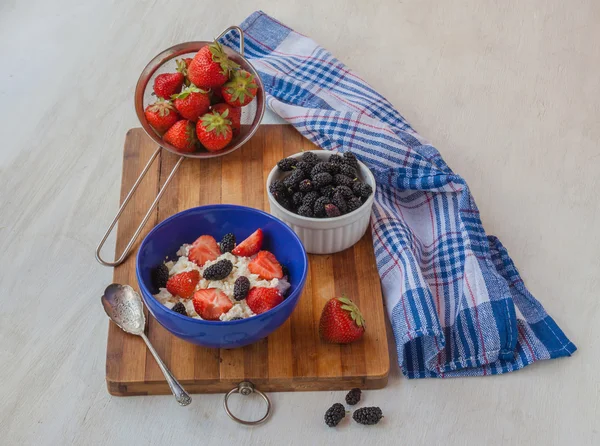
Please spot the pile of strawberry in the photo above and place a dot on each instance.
(200, 104)
(211, 303)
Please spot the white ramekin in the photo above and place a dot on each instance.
(325, 235)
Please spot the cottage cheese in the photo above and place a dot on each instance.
(240, 268)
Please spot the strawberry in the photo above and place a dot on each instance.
(210, 67)
(266, 266)
(235, 116)
(211, 303)
(240, 90)
(341, 321)
(262, 299)
(183, 284)
(214, 130)
(204, 249)
(250, 246)
(161, 115)
(182, 136)
(168, 84)
(182, 66)
(191, 103)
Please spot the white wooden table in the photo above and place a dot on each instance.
(509, 93)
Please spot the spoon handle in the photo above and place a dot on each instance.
(182, 397)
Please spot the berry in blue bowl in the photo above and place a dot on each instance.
(221, 276)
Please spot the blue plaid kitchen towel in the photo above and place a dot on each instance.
(456, 302)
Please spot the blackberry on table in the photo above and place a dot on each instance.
(241, 287)
(367, 415)
(354, 203)
(345, 191)
(351, 160)
(287, 164)
(339, 200)
(334, 415)
(227, 243)
(294, 179)
(305, 211)
(328, 191)
(347, 170)
(362, 190)
(336, 159)
(342, 180)
(297, 199)
(305, 186)
(353, 397)
(179, 308)
(310, 157)
(160, 276)
(331, 210)
(319, 207)
(310, 198)
(322, 179)
(304, 167)
(218, 271)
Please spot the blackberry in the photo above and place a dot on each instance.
(179, 308)
(320, 168)
(310, 198)
(342, 180)
(218, 271)
(287, 164)
(297, 199)
(353, 396)
(334, 415)
(241, 288)
(305, 186)
(305, 211)
(347, 170)
(285, 271)
(339, 200)
(304, 167)
(319, 207)
(367, 415)
(345, 191)
(285, 202)
(354, 204)
(322, 179)
(328, 191)
(331, 210)
(362, 190)
(227, 243)
(235, 319)
(292, 181)
(160, 276)
(277, 189)
(310, 158)
(351, 160)
(336, 159)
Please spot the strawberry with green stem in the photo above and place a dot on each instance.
(168, 84)
(182, 136)
(235, 116)
(191, 103)
(161, 115)
(341, 321)
(240, 90)
(214, 130)
(211, 67)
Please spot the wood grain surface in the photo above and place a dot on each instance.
(293, 357)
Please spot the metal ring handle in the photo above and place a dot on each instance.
(146, 217)
(240, 32)
(246, 388)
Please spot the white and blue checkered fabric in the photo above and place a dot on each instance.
(457, 304)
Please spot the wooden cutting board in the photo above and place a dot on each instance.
(292, 358)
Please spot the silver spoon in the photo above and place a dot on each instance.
(124, 306)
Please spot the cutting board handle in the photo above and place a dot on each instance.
(247, 388)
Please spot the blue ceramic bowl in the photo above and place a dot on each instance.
(217, 220)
